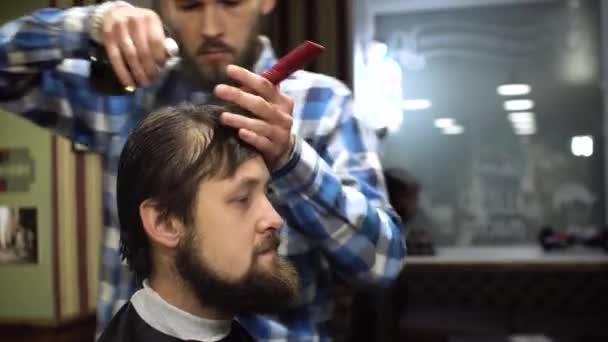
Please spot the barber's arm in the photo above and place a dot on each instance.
(336, 201)
(339, 202)
(34, 45)
(44, 69)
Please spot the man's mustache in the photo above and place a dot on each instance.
(270, 243)
(213, 45)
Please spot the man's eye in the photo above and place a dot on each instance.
(241, 200)
(189, 5)
(270, 193)
(231, 3)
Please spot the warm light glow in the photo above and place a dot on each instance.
(416, 104)
(513, 89)
(518, 105)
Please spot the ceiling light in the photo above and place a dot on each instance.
(513, 89)
(525, 125)
(518, 105)
(416, 104)
(444, 122)
(582, 146)
(453, 130)
(519, 117)
(530, 130)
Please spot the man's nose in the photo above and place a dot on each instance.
(272, 219)
(212, 22)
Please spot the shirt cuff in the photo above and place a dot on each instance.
(97, 18)
(299, 172)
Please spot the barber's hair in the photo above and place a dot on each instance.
(164, 160)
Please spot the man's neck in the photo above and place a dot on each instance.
(177, 293)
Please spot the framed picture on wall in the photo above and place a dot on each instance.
(18, 235)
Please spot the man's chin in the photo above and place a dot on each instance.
(211, 75)
(210, 68)
(215, 58)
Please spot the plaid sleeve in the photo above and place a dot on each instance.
(44, 77)
(45, 37)
(335, 193)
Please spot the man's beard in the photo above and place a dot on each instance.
(206, 77)
(258, 291)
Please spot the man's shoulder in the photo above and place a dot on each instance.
(238, 334)
(127, 325)
(303, 80)
(119, 326)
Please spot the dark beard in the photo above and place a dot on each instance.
(259, 291)
(217, 74)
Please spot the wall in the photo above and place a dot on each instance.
(67, 194)
(324, 21)
(26, 290)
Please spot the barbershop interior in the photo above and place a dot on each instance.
(434, 171)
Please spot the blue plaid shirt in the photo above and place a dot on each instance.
(330, 193)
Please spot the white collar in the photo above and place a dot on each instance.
(170, 320)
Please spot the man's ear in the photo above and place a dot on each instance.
(161, 229)
(268, 6)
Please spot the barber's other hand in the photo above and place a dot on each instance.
(270, 131)
(133, 38)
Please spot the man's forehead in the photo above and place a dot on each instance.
(159, 3)
(252, 168)
(249, 173)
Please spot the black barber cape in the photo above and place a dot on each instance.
(148, 318)
(128, 326)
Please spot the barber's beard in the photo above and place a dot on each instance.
(261, 290)
(206, 77)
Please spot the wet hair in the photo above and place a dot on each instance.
(164, 159)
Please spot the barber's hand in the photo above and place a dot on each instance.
(133, 38)
(270, 131)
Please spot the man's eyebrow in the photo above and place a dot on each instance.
(249, 182)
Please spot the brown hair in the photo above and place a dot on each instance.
(165, 158)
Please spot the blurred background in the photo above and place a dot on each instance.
(499, 117)
(490, 120)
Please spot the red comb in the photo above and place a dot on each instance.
(296, 59)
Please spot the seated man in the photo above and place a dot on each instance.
(198, 229)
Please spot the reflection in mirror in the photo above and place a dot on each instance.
(497, 111)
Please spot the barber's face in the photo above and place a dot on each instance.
(230, 258)
(215, 33)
